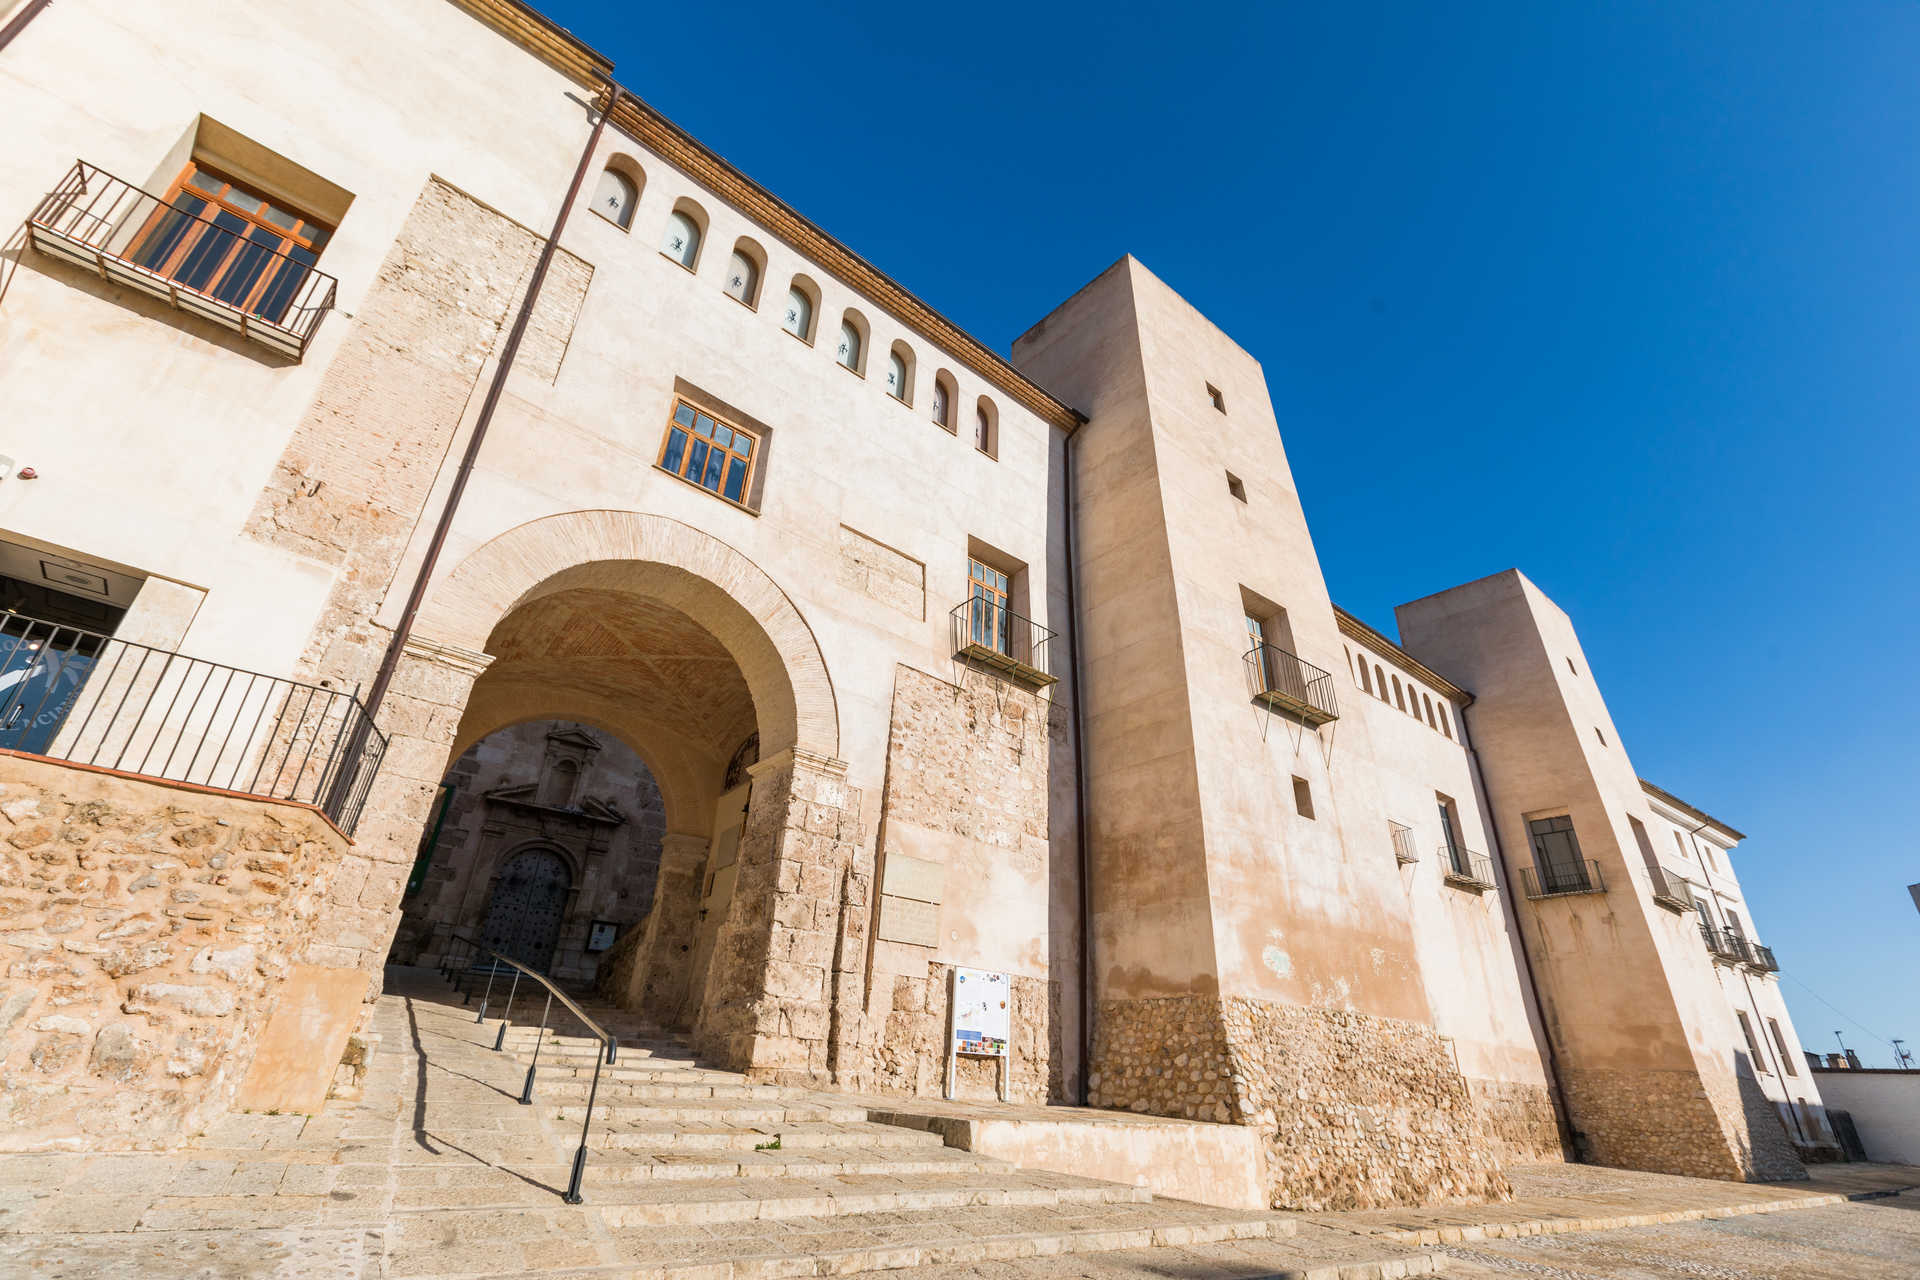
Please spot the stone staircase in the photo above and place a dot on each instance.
(694, 1170)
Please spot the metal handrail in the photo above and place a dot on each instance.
(447, 969)
(131, 236)
(1284, 680)
(89, 698)
(1561, 879)
(993, 635)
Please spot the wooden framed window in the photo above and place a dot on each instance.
(987, 593)
(703, 450)
(220, 238)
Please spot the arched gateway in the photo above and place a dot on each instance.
(683, 648)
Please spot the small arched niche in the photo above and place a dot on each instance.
(900, 370)
(744, 271)
(802, 305)
(686, 229)
(946, 395)
(850, 350)
(617, 193)
(986, 427)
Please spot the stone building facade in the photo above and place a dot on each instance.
(1042, 678)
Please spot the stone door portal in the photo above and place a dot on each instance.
(528, 906)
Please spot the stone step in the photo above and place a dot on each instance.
(643, 1136)
(615, 1088)
(712, 1112)
(668, 1203)
(968, 1235)
(630, 1164)
(639, 1072)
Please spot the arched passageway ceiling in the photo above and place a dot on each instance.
(596, 645)
(668, 563)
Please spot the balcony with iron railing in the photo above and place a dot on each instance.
(1761, 958)
(1404, 849)
(1728, 946)
(90, 699)
(991, 635)
(1465, 869)
(250, 283)
(1282, 681)
(1669, 889)
(1562, 879)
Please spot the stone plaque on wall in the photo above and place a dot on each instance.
(909, 921)
(914, 878)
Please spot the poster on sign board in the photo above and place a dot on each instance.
(982, 1018)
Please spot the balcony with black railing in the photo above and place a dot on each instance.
(90, 699)
(1404, 849)
(991, 635)
(1669, 889)
(1465, 869)
(1287, 683)
(1761, 958)
(240, 276)
(1563, 879)
(1728, 946)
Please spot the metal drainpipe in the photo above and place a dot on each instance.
(1570, 1138)
(1079, 784)
(391, 660)
(18, 23)
(1760, 1032)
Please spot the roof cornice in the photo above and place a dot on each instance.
(1699, 815)
(544, 38)
(1354, 629)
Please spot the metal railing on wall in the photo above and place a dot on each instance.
(1562, 879)
(1282, 680)
(88, 698)
(1404, 849)
(1463, 867)
(1670, 889)
(459, 965)
(264, 291)
(991, 635)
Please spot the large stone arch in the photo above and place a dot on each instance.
(684, 567)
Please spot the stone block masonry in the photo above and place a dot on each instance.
(144, 933)
(1357, 1111)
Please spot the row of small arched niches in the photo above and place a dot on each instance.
(616, 198)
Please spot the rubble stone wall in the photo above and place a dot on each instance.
(1357, 1111)
(1678, 1121)
(144, 932)
(1520, 1119)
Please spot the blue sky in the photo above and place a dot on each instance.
(1624, 295)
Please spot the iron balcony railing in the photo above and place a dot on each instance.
(464, 964)
(1726, 945)
(242, 279)
(87, 698)
(1563, 879)
(1280, 679)
(1466, 869)
(1669, 889)
(989, 634)
(1404, 850)
(1762, 958)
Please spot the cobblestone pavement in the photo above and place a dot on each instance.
(1868, 1240)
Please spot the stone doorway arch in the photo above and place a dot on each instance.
(562, 617)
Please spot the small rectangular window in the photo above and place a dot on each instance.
(1302, 798)
(1600, 735)
(1235, 488)
(1780, 1042)
(703, 450)
(1219, 401)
